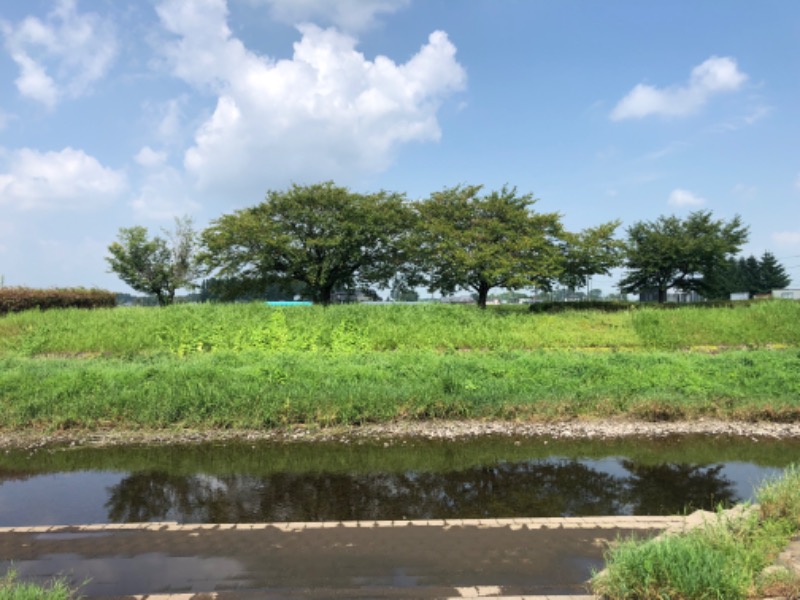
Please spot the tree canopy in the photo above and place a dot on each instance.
(679, 253)
(748, 274)
(156, 265)
(323, 236)
(468, 241)
(593, 251)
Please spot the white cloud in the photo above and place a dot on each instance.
(163, 195)
(328, 112)
(716, 75)
(61, 56)
(149, 158)
(349, 15)
(680, 197)
(67, 179)
(787, 238)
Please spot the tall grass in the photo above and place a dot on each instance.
(11, 588)
(251, 389)
(250, 365)
(188, 329)
(724, 559)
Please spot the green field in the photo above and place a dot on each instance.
(253, 366)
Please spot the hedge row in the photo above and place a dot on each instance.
(615, 306)
(16, 299)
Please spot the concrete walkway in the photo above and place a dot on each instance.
(492, 558)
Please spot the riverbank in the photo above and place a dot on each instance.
(216, 369)
(392, 432)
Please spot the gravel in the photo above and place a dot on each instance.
(441, 430)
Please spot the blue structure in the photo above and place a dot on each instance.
(289, 303)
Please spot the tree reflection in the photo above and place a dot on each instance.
(538, 488)
(675, 488)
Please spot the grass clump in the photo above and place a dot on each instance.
(724, 559)
(11, 588)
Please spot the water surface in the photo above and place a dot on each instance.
(492, 477)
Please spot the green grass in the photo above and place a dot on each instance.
(249, 390)
(187, 329)
(724, 559)
(11, 588)
(249, 365)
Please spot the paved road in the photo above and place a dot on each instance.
(417, 559)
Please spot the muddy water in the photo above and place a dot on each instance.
(399, 479)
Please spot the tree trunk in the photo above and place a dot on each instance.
(662, 295)
(325, 295)
(483, 294)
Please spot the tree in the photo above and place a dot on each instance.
(593, 251)
(156, 265)
(323, 236)
(401, 291)
(752, 275)
(675, 253)
(467, 241)
(772, 274)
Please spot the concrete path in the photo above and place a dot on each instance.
(490, 558)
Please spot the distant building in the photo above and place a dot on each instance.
(740, 295)
(786, 294)
(673, 295)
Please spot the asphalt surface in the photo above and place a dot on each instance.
(428, 559)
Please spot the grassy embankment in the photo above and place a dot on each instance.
(252, 366)
(725, 558)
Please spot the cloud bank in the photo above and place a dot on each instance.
(326, 113)
(69, 179)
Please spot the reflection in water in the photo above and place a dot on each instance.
(412, 479)
(665, 489)
(535, 489)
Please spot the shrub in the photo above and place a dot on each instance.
(17, 299)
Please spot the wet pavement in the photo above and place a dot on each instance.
(376, 559)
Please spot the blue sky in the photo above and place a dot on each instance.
(116, 113)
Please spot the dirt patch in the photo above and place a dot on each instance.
(591, 429)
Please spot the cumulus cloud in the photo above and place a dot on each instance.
(163, 195)
(61, 56)
(714, 76)
(328, 112)
(69, 179)
(349, 15)
(680, 198)
(149, 158)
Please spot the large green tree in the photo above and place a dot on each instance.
(465, 240)
(772, 275)
(593, 251)
(323, 236)
(157, 265)
(679, 253)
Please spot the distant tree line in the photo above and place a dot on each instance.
(323, 240)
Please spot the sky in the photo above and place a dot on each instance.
(115, 113)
